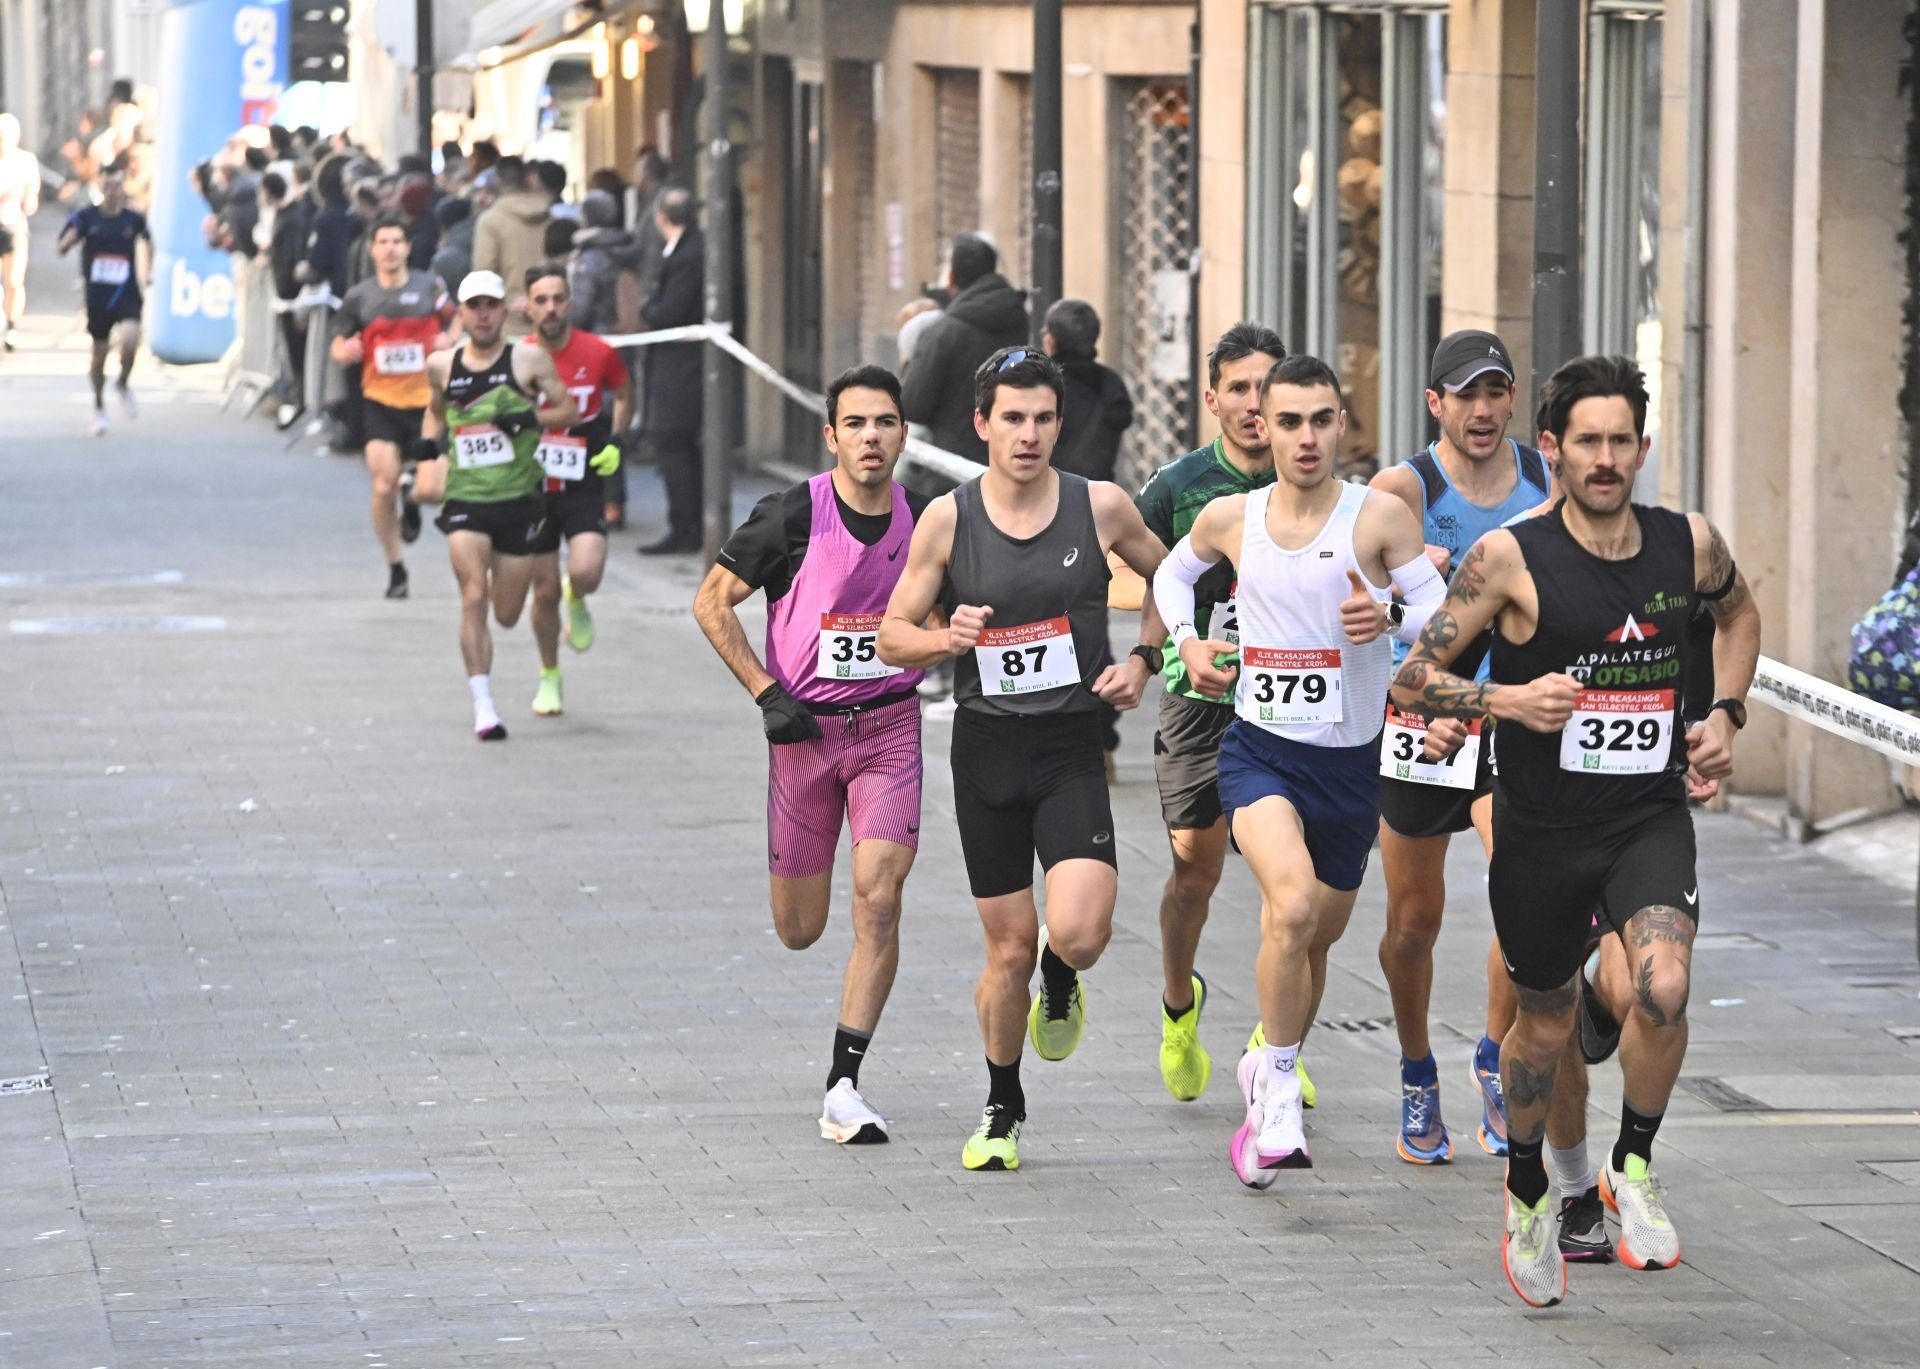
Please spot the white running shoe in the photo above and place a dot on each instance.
(1647, 1237)
(127, 402)
(1530, 1253)
(846, 1118)
(1252, 1074)
(1282, 1143)
(98, 428)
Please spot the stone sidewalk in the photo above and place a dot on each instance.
(370, 1046)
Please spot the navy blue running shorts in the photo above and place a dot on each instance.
(1334, 789)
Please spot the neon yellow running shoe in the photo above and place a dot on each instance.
(995, 1143)
(1184, 1063)
(579, 621)
(1054, 1027)
(1309, 1095)
(546, 700)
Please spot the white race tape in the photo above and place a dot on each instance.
(1838, 710)
(926, 456)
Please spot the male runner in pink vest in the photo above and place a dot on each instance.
(844, 726)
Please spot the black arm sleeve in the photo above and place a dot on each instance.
(764, 551)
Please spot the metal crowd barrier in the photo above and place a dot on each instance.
(254, 361)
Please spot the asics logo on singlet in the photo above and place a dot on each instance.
(1071, 557)
(1102, 838)
(1633, 630)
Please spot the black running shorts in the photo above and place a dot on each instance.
(1026, 786)
(580, 507)
(1186, 760)
(514, 525)
(1431, 810)
(1556, 888)
(384, 423)
(102, 319)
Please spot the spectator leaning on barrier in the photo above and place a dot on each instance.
(986, 314)
(1097, 410)
(511, 236)
(674, 373)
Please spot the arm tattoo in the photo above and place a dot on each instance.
(1470, 579)
(1442, 694)
(1723, 577)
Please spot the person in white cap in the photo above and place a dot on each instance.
(491, 402)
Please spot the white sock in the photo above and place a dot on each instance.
(1281, 1061)
(481, 687)
(1572, 1170)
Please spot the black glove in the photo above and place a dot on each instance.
(783, 719)
(513, 422)
(423, 449)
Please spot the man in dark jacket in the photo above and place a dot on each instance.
(986, 314)
(674, 376)
(1097, 410)
(287, 248)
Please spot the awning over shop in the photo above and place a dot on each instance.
(502, 23)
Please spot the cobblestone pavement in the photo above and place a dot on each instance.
(370, 1046)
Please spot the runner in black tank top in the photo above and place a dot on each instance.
(1591, 604)
(1018, 561)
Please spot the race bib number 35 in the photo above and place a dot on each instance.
(1618, 732)
(1403, 753)
(481, 445)
(563, 456)
(849, 648)
(1027, 659)
(1280, 687)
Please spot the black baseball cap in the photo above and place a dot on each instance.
(1463, 355)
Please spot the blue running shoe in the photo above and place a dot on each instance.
(1423, 1137)
(1493, 1110)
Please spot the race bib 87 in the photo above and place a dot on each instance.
(1027, 659)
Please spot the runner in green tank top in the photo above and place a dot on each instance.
(1186, 745)
(492, 400)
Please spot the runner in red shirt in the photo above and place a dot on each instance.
(577, 463)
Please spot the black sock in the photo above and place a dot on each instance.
(1526, 1170)
(1636, 1135)
(849, 1046)
(1175, 1014)
(1055, 973)
(1003, 1088)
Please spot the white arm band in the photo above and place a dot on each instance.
(1421, 592)
(1173, 590)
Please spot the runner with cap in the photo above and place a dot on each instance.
(843, 726)
(1590, 605)
(1018, 559)
(388, 324)
(1437, 775)
(1317, 560)
(490, 401)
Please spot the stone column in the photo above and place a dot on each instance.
(1845, 487)
(1487, 269)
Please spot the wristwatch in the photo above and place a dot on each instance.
(1396, 612)
(1735, 710)
(1152, 655)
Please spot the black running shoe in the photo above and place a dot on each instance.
(409, 521)
(1599, 1033)
(397, 583)
(1583, 1228)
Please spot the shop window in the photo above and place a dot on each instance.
(1347, 121)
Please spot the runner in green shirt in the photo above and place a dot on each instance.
(1186, 746)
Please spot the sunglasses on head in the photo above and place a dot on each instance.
(1013, 358)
